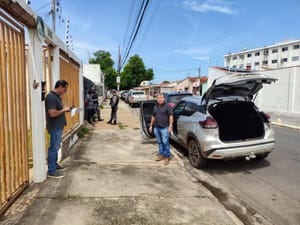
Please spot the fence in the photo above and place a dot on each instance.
(69, 71)
(13, 123)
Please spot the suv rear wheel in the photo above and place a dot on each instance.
(195, 155)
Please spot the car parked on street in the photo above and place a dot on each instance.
(224, 123)
(172, 98)
(136, 97)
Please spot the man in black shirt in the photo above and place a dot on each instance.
(56, 120)
(162, 120)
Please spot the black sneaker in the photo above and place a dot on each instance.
(61, 168)
(56, 174)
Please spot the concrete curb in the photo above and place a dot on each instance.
(285, 125)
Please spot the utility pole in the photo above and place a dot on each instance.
(119, 70)
(53, 15)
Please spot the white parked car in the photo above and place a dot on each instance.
(224, 123)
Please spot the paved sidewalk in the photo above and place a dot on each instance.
(112, 178)
(285, 120)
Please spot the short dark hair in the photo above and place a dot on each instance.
(61, 83)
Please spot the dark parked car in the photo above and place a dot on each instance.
(172, 98)
(224, 123)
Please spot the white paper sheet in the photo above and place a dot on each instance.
(75, 110)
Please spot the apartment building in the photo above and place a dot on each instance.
(279, 55)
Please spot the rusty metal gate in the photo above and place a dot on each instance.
(13, 128)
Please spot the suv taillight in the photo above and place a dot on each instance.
(209, 123)
(171, 104)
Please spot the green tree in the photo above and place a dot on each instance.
(134, 73)
(106, 63)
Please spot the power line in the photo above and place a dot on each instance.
(146, 30)
(134, 34)
(43, 7)
(128, 23)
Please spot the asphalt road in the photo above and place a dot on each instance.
(271, 186)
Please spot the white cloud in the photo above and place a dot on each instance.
(209, 5)
(194, 51)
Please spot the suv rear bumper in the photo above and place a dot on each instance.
(241, 151)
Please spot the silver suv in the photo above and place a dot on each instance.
(224, 123)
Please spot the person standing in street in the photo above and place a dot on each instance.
(55, 122)
(161, 123)
(114, 101)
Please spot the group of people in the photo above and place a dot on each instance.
(92, 106)
(161, 123)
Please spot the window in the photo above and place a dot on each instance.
(266, 52)
(234, 66)
(265, 62)
(257, 53)
(274, 61)
(284, 60)
(249, 55)
(241, 56)
(241, 66)
(295, 58)
(256, 64)
(274, 50)
(234, 57)
(179, 108)
(296, 46)
(190, 108)
(284, 49)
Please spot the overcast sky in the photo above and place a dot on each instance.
(177, 37)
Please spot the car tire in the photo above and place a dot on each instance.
(195, 154)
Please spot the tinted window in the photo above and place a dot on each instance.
(179, 108)
(190, 108)
(176, 98)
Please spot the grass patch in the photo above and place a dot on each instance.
(83, 132)
(136, 128)
(121, 126)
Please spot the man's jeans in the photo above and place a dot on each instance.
(162, 137)
(55, 141)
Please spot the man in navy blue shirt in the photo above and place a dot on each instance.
(56, 120)
(162, 121)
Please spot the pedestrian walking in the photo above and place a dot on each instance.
(114, 101)
(55, 122)
(161, 123)
(95, 99)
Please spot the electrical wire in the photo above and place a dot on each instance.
(138, 25)
(134, 29)
(128, 23)
(43, 7)
(146, 30)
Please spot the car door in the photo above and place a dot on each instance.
(185, 121)
(177, 112)
(146, 109)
